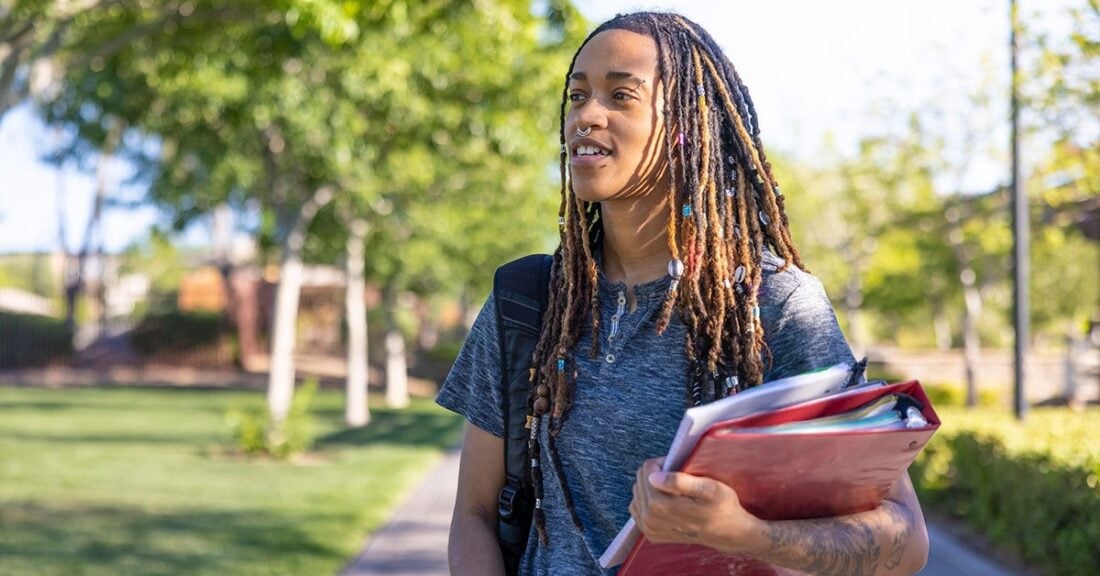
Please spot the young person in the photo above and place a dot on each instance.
(676, 283)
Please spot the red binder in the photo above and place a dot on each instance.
(791, 476)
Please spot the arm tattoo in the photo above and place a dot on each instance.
(902, 518)
(830, 547)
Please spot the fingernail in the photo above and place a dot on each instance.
(657, 478)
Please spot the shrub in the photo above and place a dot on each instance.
(177, 337)
(954, 395)
(257, 434)
(1033, 488)
(29, 340)
(175, 329)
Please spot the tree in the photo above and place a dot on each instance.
(200, 88)
(466, 168)
(389, 110)
(841, 221)
(1062, 92)
(30, 34)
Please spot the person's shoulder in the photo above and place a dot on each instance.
(778, 282)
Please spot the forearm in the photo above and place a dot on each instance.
(472, 547)
(888, 540)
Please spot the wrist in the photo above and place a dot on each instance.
(743, 534)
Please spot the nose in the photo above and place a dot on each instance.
(590, 114)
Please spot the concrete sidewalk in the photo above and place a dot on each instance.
(415, 540)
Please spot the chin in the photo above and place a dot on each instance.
(592, 192)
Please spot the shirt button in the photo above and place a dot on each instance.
(610, 358)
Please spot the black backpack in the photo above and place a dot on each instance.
(520, 291)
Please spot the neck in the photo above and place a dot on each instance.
(635, 239)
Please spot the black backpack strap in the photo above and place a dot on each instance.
(520, 291)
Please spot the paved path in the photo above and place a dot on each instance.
(949, 557)
(415, 540)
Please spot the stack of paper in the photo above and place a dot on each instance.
(696, 421)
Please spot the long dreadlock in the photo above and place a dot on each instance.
(725, 209)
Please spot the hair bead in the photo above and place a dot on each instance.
(675, 268)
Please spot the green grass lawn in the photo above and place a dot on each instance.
(143, 481)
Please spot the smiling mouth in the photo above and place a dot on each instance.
(590, 152)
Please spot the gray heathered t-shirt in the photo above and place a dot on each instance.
(629, 401)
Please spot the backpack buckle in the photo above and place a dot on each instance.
(506, 501)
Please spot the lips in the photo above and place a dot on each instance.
(587, 151)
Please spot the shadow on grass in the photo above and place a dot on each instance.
(37, 538)
(112, 438)
(409, 428)
(128, 399)
(20, 406)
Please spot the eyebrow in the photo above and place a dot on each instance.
(612, 75)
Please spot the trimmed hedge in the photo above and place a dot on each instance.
(1032, 488)
(29, 340)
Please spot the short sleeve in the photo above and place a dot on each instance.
(806, 335)
(473, 388)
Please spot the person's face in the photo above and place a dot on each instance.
(614, 92)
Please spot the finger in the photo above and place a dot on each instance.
(644, 470)
(643, 490)
(637, 512)
(639, 493)
(678, 483)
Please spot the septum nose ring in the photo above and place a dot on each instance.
(582, 132)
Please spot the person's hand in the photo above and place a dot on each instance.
(675, 507)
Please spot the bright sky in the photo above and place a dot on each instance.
(814, 69)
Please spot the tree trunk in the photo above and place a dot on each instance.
(853, 297)
(74, 273)
(357, 411)
(222, 253)
(246, 304)
(942, 327)
(397, 371)
(466, 315)
(427, 332)
(102, 313)
(1069, 367)
(280, 387)
(972, 345)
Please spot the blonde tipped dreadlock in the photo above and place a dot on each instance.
(725, 209)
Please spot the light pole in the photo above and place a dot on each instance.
(1021, 236)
